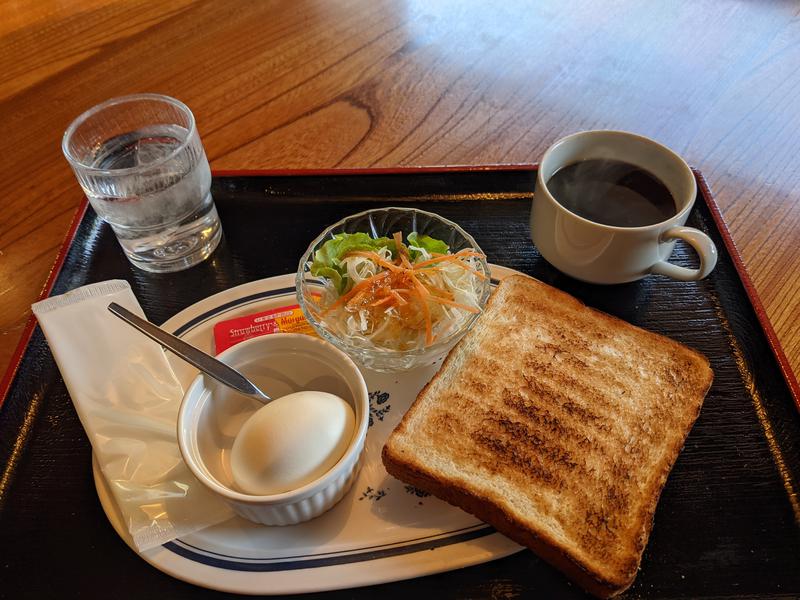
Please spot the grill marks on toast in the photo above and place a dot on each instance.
(565, 418)
(535, 436)
(518, 443)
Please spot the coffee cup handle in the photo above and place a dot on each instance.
(701, 243)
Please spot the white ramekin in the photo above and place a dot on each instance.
(211, 415)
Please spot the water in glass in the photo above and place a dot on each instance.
(161, 216)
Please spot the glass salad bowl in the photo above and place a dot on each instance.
(445, 323)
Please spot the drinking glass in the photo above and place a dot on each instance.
(142, 166)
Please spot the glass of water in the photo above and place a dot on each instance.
(140, 162)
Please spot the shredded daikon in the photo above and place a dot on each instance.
(397, 296)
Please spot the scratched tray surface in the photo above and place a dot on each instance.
(726, 524)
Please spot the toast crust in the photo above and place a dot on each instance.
(532, 422)
(541, 544)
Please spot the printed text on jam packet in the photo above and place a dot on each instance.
(286, 319)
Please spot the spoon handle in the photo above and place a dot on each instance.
(208, 364)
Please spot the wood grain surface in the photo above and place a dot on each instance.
(289, 84)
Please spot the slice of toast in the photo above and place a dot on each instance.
(558, 425)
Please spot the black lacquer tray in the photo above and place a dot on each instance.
(727, 525)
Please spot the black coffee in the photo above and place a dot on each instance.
(612, 192)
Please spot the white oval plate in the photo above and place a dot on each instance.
(383, 530)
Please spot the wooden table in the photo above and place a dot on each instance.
(360, 83)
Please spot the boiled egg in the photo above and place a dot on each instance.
(290, 442)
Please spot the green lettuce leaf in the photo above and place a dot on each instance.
(426, 242)
(327, 260)
(329, 273)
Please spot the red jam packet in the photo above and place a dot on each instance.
(286, 319)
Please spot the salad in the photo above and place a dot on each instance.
(393, 294)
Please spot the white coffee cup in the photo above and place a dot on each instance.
(600, 253)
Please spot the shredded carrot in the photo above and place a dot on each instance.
(406, 285)
(475, 272)
(464, 252)
(400, 300)
(439, 291)
(401, 248)
(454, 258)
(429, 269)
(383, 300)
(433, 261)
(354, 301)
(344, 298)
(426, 312)
(376, 257)
(418, 285)
(468, 252)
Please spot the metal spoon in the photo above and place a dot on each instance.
(207, 364)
